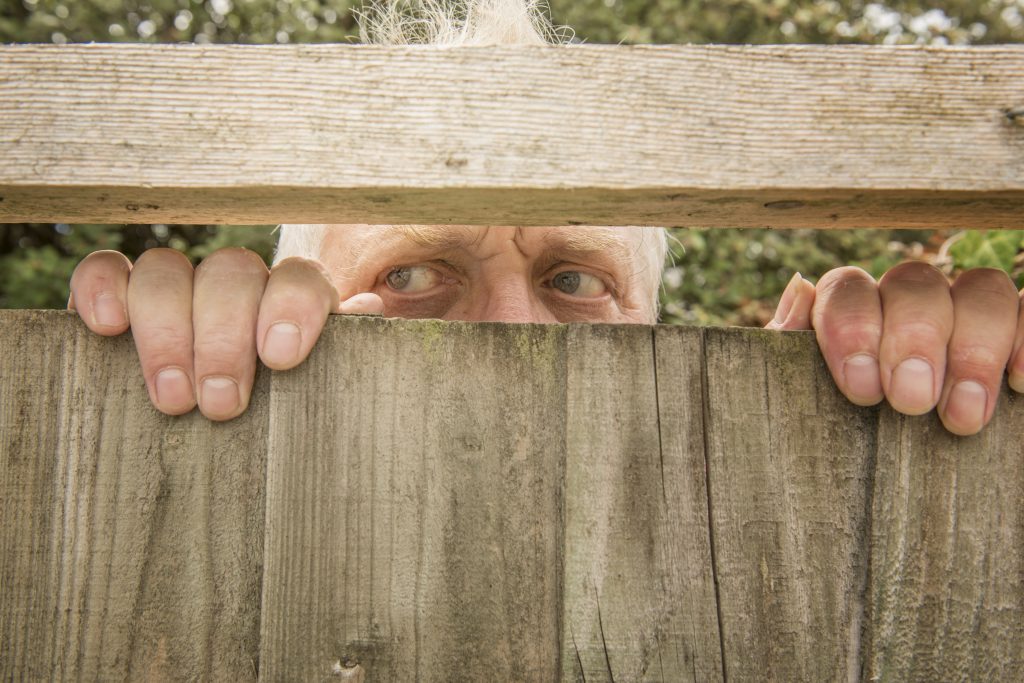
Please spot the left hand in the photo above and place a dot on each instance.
(914, 339)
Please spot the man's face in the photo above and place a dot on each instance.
(501, 274)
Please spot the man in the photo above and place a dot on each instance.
(910, 338)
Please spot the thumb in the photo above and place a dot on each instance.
(364, 303)
(794, 310)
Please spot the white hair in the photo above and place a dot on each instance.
(448, 23)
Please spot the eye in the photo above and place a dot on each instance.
(413, 279)
(578, 283)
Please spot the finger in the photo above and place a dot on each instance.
(99, 292)
(160, 309)
(296, 303)
(985, 307)
(918, 322)
(794, 311)
(364, 303)
(1016, 365)
(226, 302)
(847, 319)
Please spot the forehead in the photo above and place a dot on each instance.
(358, 242)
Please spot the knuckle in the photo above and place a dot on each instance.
(918, 334)
(234, 260)
(224, 344)
(845, 276)
(856, 332)
(163, 258)
(106, 258)
(846, 285)
(101, 268)
(915, 273)
(976, 359)
(302, 282)
(986, 281)
(300, 268)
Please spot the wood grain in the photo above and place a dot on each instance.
(947, 568)
(639, 595)
(701, 136)
(413, 512)
(130, 542)
(789, 469)
(452, 501)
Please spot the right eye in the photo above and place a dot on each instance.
(413, 279)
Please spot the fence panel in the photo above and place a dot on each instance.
(512, 502)
(130, 543)
(414, 505)
(947, 551)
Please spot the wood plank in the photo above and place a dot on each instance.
(639, 594)
(414, 512)
(701, 136)
(130, 542)
(789, 469)
(947, 567)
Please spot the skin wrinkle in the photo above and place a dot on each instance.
(626, 255)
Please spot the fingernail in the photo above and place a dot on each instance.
(966, 406)
(1016, 381)
(912, 388)
(862, 380)
(107, 310)
(281, 345)
(173, 390)
(219, 396)
(786, 302)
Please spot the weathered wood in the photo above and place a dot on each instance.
(789, 469)
(499, 502)
(947, 551)
(639, 594)
(777, 136)
(413, 513)
(130, 543)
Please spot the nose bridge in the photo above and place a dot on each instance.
(512, 301)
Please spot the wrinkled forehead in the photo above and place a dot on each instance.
(355, 243)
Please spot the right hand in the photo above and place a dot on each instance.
(198, 331)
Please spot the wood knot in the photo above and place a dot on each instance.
(348, 671)
(1015, 115)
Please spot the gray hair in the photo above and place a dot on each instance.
(462, 22)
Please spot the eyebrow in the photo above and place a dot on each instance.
(439, 237)
(573, 242)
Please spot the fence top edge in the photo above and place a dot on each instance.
(682, 50)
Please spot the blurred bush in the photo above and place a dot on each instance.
(717, 277)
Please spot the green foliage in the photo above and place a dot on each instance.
(989, 249)
(722, 276)
(36, 261)
(734, 277)
(957, 22)
(168, 21)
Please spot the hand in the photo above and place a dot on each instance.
(914, 339)
(198, 331)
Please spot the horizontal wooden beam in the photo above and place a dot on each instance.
(705, 136)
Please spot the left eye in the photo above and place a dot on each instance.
(578, 283)
(412, 279)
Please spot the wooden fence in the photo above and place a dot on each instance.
(444, 502)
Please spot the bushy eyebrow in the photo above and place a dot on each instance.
(438, 237)
(574, 243)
